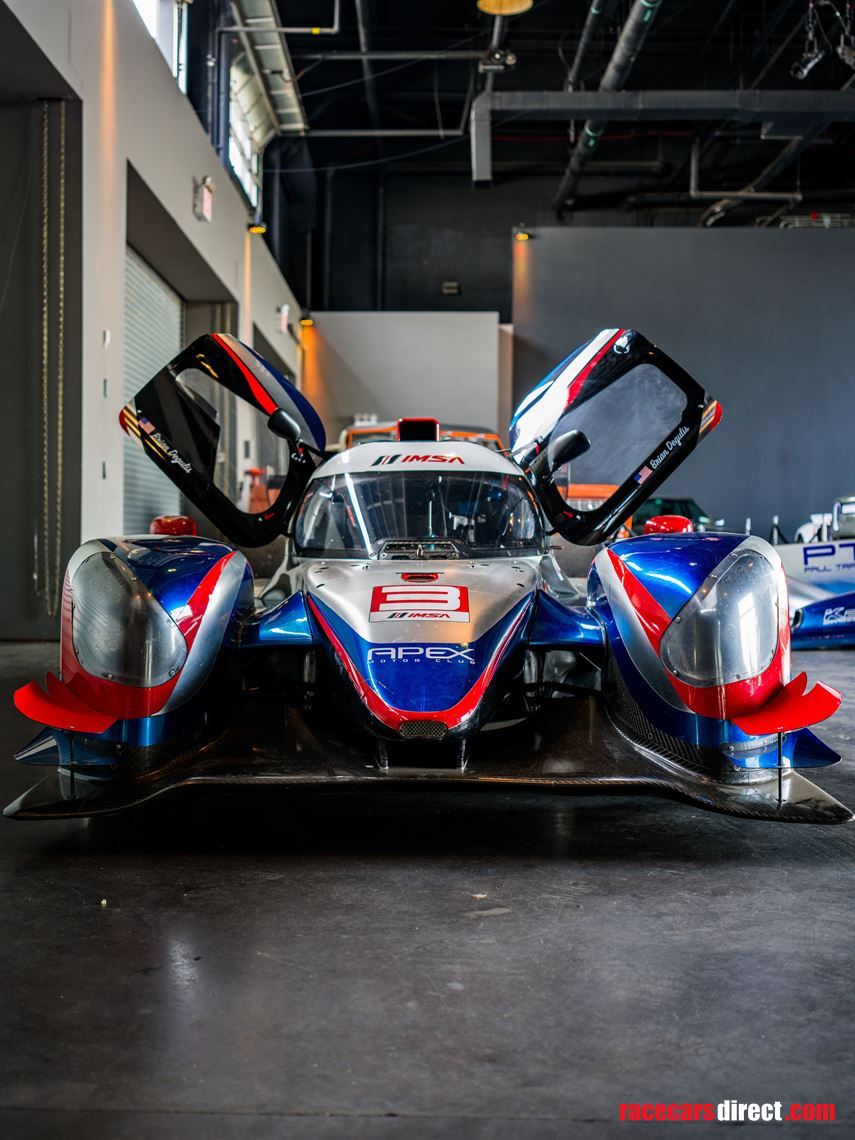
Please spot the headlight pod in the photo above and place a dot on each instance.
(728, 630)
(119, 630)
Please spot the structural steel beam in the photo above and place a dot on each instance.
(387, 133)
(799, 109)
(381, 55)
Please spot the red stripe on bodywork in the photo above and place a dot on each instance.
(711, 418)
(586, 371)
(393, 717)
(262, 396)
(197, 604)
(654, 620)
(724, 702)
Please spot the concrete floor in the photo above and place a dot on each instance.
(476, 965)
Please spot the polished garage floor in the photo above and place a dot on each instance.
(477, 965)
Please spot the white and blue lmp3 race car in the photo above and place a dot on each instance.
(425, 633)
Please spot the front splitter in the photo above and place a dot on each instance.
(560, 748)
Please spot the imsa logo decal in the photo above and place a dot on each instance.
(385, 460)
(409, 601)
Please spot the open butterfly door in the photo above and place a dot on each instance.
(616, 411)
(232, 434)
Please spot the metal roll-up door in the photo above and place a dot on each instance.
(154, 334)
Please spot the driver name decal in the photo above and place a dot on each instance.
(166, 451)
(141, 426)
(407, 601)
(669, 447)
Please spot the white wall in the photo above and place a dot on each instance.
(267, 292)
(404, 364)
(134, 112)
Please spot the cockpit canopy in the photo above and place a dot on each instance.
(478, 514)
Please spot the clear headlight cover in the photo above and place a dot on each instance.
(119, 629)
(728, 630)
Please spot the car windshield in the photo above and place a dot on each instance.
(688, 508)
(481, 514)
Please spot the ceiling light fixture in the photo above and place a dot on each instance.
(504, 7)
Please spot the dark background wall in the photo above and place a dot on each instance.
(761, 317)
(389, 241)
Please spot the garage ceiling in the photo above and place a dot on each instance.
(367, 100)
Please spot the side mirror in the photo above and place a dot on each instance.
(564, 449)
(283, 425)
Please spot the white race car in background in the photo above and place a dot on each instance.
(820, 569)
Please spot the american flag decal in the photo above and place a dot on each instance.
(643, 474)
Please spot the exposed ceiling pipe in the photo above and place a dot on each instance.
(748, 194)
(630, 41)
(498, 35)
(788, 155)
(467, 102)
(596, 18)
(367, 69)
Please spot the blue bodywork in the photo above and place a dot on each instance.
(286, 625)
(536, 392)
(172, 566)
(827, 624)
(672, 567)
(313, 420)
(556, 626)
(106, 749)
(425, 678)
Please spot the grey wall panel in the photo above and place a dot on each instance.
(403, 364)
(763, 318)
(153, 336)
